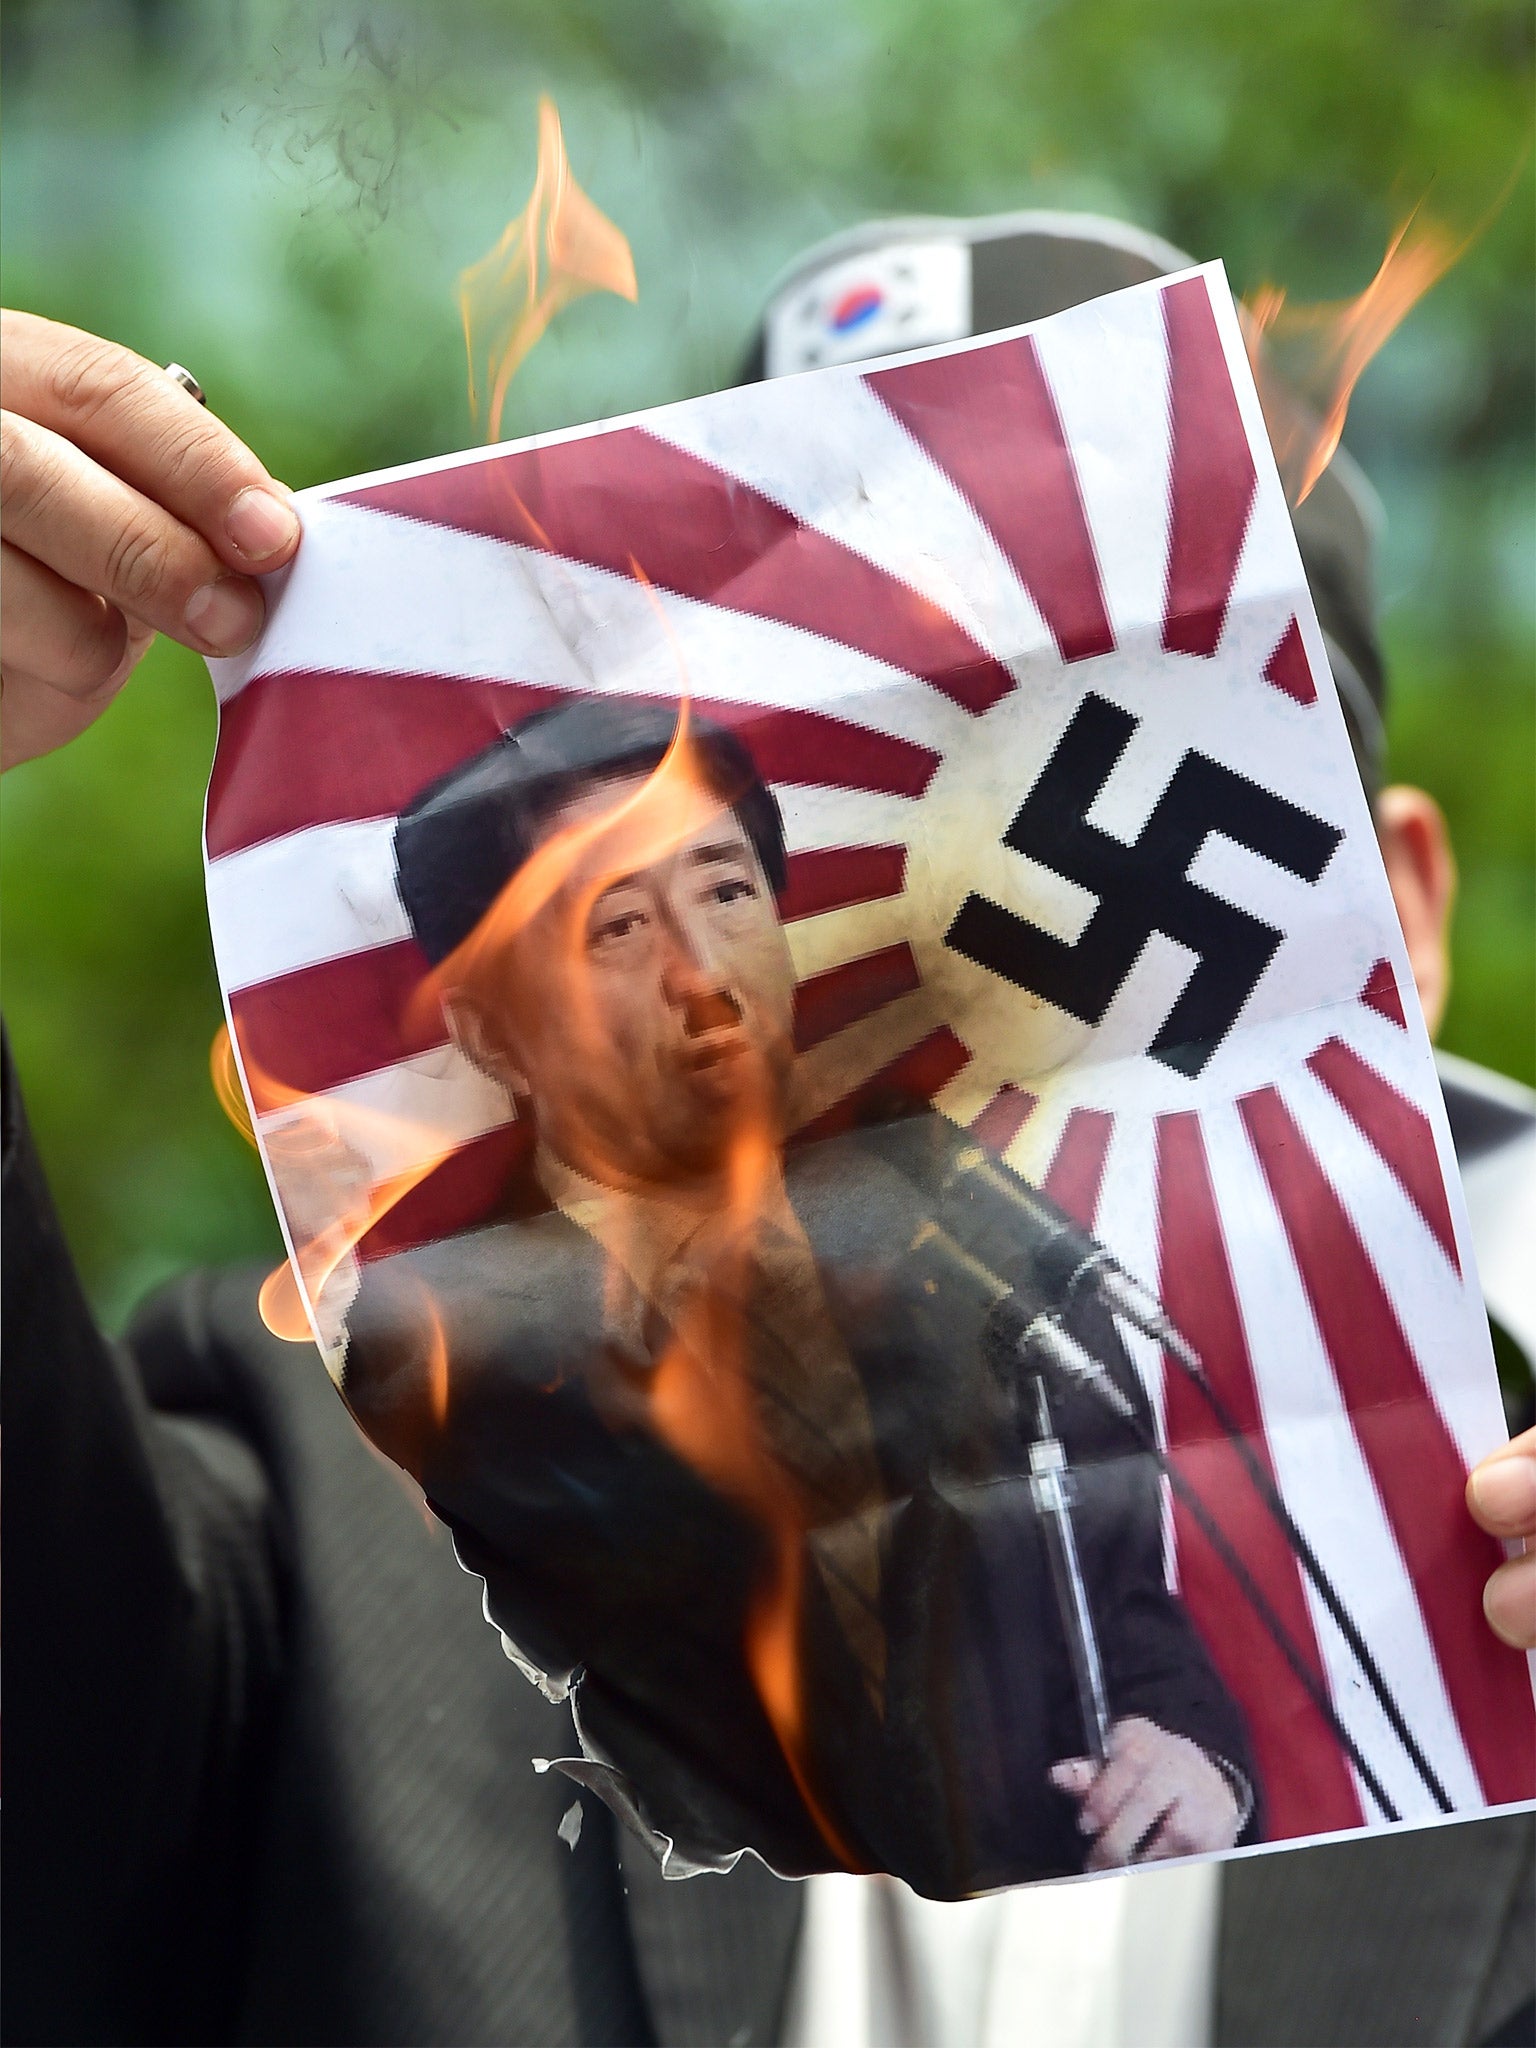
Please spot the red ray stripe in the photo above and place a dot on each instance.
(309, 748)
(1382, 995)
(1416, 1467)
(1308, 1788)
(915, 1075)
(1077, 1168)
(326, 1024)
(458, 1195)
(1004, 1117)
(1397, 1130)
(1213, 480)
(832, 877)
(814, 748)
(989, 420)
(628, 502)
(828, 1003)
(299, 749)
(1288, 668)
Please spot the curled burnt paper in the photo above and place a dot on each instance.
(833, 1050)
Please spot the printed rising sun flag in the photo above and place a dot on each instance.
(1017, 633)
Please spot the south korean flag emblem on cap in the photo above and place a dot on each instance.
(912, 295)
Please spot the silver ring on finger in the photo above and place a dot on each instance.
(188, 383)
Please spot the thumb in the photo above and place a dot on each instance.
(1074, 1775)
(1502, 1490)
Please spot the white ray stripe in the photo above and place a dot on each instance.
(651, 641)
(971, 1091)
(1391, 1049)
(834, 456)
(329, 891)
(1406, 1060)
(963, 1099)
(310, 896)
(1438, 1313)
(1110, 383)
(1034, 1148)
(1267, 567)
(829, 1071)
(373, 593)
(1265, 576)
(1126, 1221)
(1328, 1487)
(431, 599)
(835, 937)
(819, 815)
(403, 1116)
(1270, 559)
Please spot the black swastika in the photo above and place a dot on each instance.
(1143, 887)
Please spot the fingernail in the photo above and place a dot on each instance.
(259, 523)
(226, 616)
(1504, 1491)
(1509, 1601)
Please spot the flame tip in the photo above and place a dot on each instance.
(1332, 344)
(503, 297)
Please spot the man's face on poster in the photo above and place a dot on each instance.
(647, 1010)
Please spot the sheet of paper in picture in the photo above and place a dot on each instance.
(1091, 954)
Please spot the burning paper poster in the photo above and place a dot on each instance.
(836, 1058)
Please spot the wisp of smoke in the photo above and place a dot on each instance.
(347, 99)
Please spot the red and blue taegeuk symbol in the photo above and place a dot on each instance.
(855, 308)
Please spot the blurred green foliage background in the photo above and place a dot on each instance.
(281, 195)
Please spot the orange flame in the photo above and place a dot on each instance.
(437, 1364)
(320, 1256)
(226, 1083)
(320, 1157)
(703, 1405)
(557, 248)
(1323, 349)
(701, 1399)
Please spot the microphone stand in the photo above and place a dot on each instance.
(1053, 1490)
(1279, 1634)
(1128, 1298)
(1036, 1341)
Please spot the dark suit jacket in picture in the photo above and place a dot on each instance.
(605, 1555)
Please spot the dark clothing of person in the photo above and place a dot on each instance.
(269, 1771)
(601, 1549)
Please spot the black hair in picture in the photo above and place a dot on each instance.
(461, 839)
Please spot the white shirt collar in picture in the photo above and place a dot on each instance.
(1125, 1961)
(906, 295)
